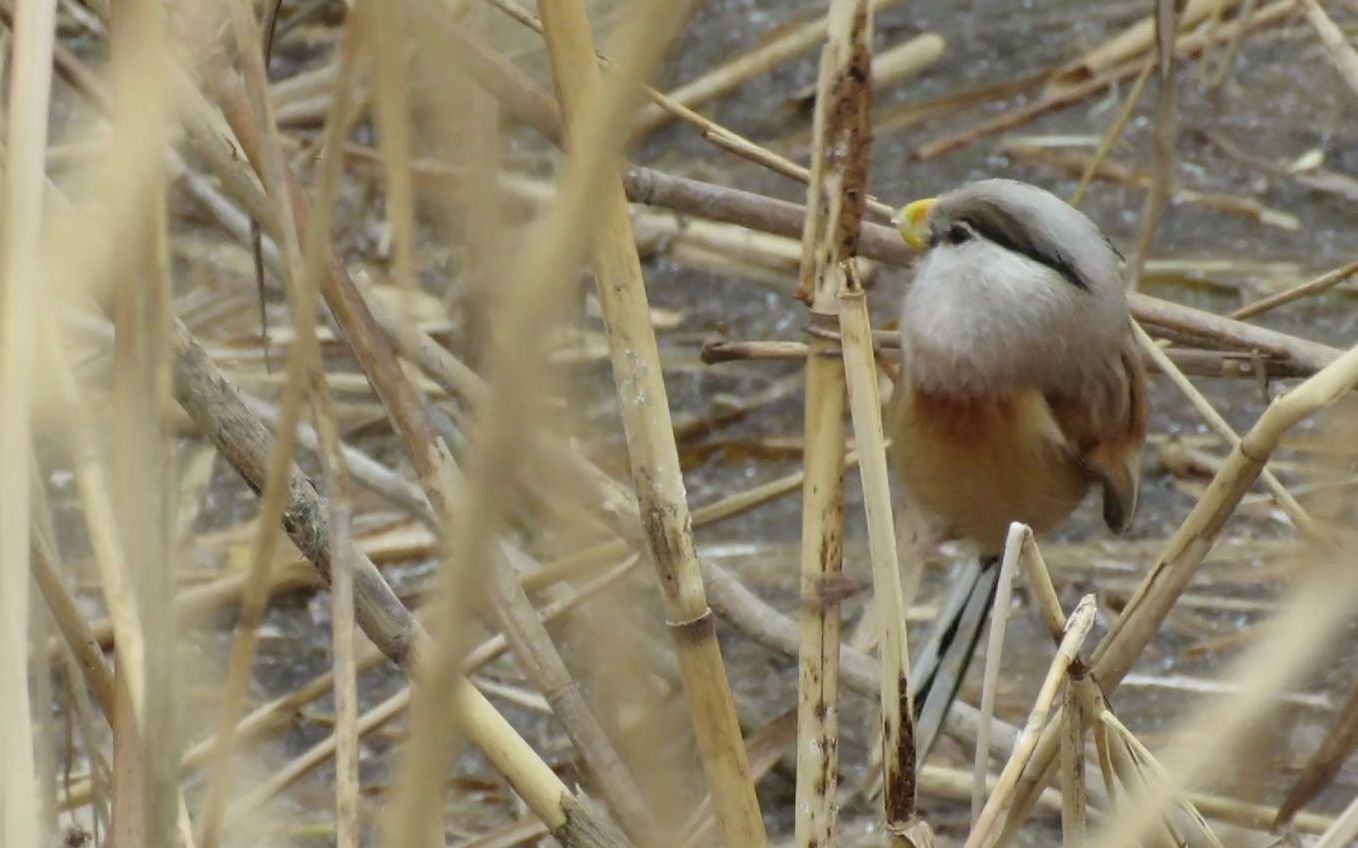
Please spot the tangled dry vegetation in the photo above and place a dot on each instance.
(340, 507)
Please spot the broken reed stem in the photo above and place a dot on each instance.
(999, 624)
(1146, 761)
(1074, 791)
(23, 262)
(898, 736)
(836, 185)
(644, 408)
(1301, 634)
(1077, 630)
(1144, 614)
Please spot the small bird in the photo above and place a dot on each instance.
(1021, 388)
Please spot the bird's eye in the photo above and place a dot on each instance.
(957, 234)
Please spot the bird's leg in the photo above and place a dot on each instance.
(946, 654)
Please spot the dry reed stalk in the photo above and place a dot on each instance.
(1077, 630)
(1276, 489)
(433, 464)
(1163, 131)
(1338, 49)
(822, 553)
(1330, 755)
(389, 33)
(898, 737)
(21, 313)
(303, 364)
(1227, 58)
(1189, 45)
(211, 399)
(1131, 43)
(144, 779)
(1146, 763)
(1309, 288)
(752, 63)
(1200, 363)
(1111, 136)
(1344, 830)
(1146, 611)
(827, 238)
(645, 414)
(1300, 634)
(1074, 790)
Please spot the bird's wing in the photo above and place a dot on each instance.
(1105, 425)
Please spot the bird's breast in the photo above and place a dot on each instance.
(976, 464)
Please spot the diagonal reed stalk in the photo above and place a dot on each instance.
(654, 458)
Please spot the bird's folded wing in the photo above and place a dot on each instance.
(1105, 425)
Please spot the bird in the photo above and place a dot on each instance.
(1020, 390)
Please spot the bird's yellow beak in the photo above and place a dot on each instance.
(913, 222)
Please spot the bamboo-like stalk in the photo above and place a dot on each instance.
(1074, 791)
(837, 182)
(650, 440)
(898, 737)
(1077, 629)
(144, 773)
(25, 154)
(822, 553)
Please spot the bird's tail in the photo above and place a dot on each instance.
(942, 661)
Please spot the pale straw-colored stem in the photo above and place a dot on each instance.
(898, 737)
(645, 414)
(999, 623)
(25, 158)
(1077, 630)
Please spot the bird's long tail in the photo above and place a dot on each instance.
(942, 661)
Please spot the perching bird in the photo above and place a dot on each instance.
(1021, 388)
